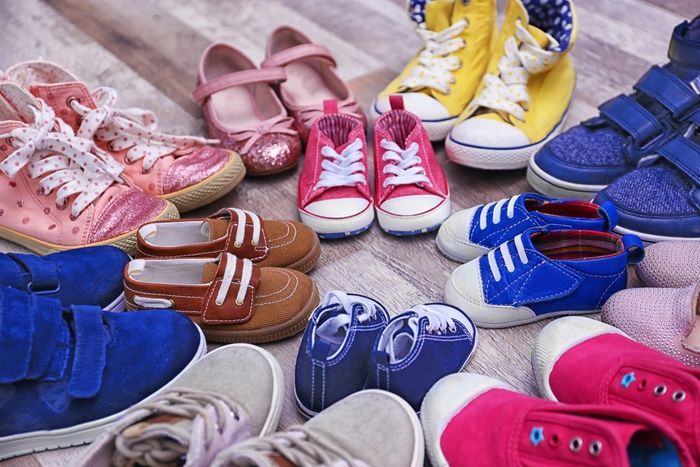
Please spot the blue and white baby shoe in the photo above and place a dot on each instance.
(472, 232)
(543, 274)
(660, 201)
(586, 158)
(335, 349)
(83, 276)
(419, 347)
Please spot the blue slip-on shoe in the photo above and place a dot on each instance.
(660, 201)
(586, 158)
(72, 372)
(419, 347)
(335, 349)
(543, 274)
(83, 276)
(470, 233)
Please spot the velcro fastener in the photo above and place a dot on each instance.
(43, 274)
(671, 91)
(629, 115)
(90, 356)
(684, 154)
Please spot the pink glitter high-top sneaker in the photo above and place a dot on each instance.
(59, 191)
(184, 170)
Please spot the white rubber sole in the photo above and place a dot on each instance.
(415, 225)
(444, 400)
(119, 304)
(650, 238)
(46, 440)
(558, 337)
(474, 251)
(327, 227)
(437, 130)
(548, 185)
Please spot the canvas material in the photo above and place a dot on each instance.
(311, 171)
(83, 276)
(598, 151)
(432, 356)
(399, 122)
(569, 214)
(322, 378)
(500, 427)
(549, 285)
(81, 364)
(614, 370)
(551, 89)
(436, 15)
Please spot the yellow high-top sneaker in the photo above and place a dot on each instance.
(441, 80)
(525, 94)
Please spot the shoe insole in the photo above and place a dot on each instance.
(306, 84)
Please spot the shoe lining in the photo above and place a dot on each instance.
(577, 245)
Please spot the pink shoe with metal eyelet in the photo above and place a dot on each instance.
(185, 170)
(242, 110)
(59, 191)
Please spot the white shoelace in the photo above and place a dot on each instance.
(344, 169)
(497, 211)
(405, 170)
(436, 62)
(240, 228)
(507, 92)
(229, 272)
(132, 128)
(507, 258)
(49, 149)
(332, 326)
(438, 323)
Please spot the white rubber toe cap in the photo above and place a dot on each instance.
(337, 208)
(426, 107)
(411, 205)
(488, 133)
(453, 237)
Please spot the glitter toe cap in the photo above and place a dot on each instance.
(193, 168)
(124, 213)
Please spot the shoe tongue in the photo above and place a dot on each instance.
(215, 228)
(59, 95)
(176, 428)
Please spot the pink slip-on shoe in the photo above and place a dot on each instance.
(243, 111)
(334, 198)
(583, 361)
(411, 191)
(474, 420)
(663, 319)
(59, 191)
(311, 78)
(671, 264)
(184, 170)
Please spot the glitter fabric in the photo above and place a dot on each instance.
(124, 213)
(191, 169)
(271, 153)
(670, 264)
(659, 318)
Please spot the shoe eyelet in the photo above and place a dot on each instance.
(575, 444)
(678, 396)
(71, 99)
(237, 245)
(643, 384)
(239, 303)
(453, 328)
(595, 448)
(146, 171)
(61, 207)
(254, 243)
(554, 440)
(660, 390)
(73, 218)
(218, 303)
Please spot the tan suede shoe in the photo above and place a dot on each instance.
(229, 298)
(275, 243)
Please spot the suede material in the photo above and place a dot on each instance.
(45, 402)
(86, 276)
(321, 379)
(614, 370)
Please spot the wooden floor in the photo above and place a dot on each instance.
(148, 51)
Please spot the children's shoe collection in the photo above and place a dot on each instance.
(81, 175)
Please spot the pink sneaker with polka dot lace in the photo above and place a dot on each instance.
(59, 191)
(184, 170)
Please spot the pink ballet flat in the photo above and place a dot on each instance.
(243, 112)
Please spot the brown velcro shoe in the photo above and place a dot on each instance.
(231, 299)
(276, 243)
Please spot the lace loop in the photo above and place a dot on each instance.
(229, 273)
(344, 168)
(405, 169)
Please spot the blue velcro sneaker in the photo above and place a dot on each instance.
(661, 200)
(68, 373)
(470, 233)
(84, 276)
(419, 347)
(543, 274)
(585, 159)
(335, 349)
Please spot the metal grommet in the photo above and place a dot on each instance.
(575, 444)
(678, 396)
(595, 448)
(660, 390)
(239, 303)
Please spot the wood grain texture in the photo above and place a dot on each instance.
(149, 50)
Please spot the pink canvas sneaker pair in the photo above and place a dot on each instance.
(411, 191)
(265, 113)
